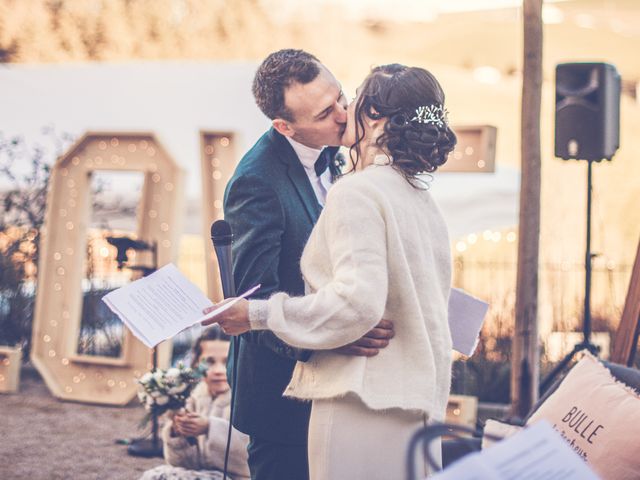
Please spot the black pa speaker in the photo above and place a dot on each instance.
(587, 111)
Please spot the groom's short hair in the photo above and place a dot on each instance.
(277, 72)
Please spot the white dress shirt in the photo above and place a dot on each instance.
(308, 157)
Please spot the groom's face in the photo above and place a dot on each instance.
(319, 111)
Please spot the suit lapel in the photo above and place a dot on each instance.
(297, 175)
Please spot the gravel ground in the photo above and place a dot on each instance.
(44, 438)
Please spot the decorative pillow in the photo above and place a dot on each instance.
(599, 418)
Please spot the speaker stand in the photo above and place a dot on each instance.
(586, 324)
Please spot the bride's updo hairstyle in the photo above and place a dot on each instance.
(416, 134)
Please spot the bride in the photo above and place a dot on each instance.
(379, 250)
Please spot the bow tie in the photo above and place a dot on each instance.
(322, 163)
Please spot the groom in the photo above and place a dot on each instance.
(272, 202)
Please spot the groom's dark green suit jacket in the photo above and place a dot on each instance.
(272, 208)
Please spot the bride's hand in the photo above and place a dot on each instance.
(233, 321)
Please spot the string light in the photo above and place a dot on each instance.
(224, 141)
(73, 187)
(209, 150)
(216, 175)
(217, 204)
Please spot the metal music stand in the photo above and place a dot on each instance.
(141, 447)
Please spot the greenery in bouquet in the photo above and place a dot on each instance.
(163, 390)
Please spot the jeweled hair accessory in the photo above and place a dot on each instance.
(433, 114)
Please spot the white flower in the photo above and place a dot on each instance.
(146, 378)
(158, 376)
(172, 375)
(162, 400)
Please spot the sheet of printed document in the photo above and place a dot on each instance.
(466, 315)
(162, 304)
(536, 453)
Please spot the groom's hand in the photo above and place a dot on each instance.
(371, 343)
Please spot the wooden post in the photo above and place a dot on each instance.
(525, 356)
(626, 343)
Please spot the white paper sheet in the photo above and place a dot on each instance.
(466, 316)
(536, 453)
(159, 306)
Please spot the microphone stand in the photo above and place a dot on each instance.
(222, 238)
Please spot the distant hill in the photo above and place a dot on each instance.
(116, 30)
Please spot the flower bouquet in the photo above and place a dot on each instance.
(163, 390)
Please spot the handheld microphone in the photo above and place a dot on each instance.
(222, 237)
